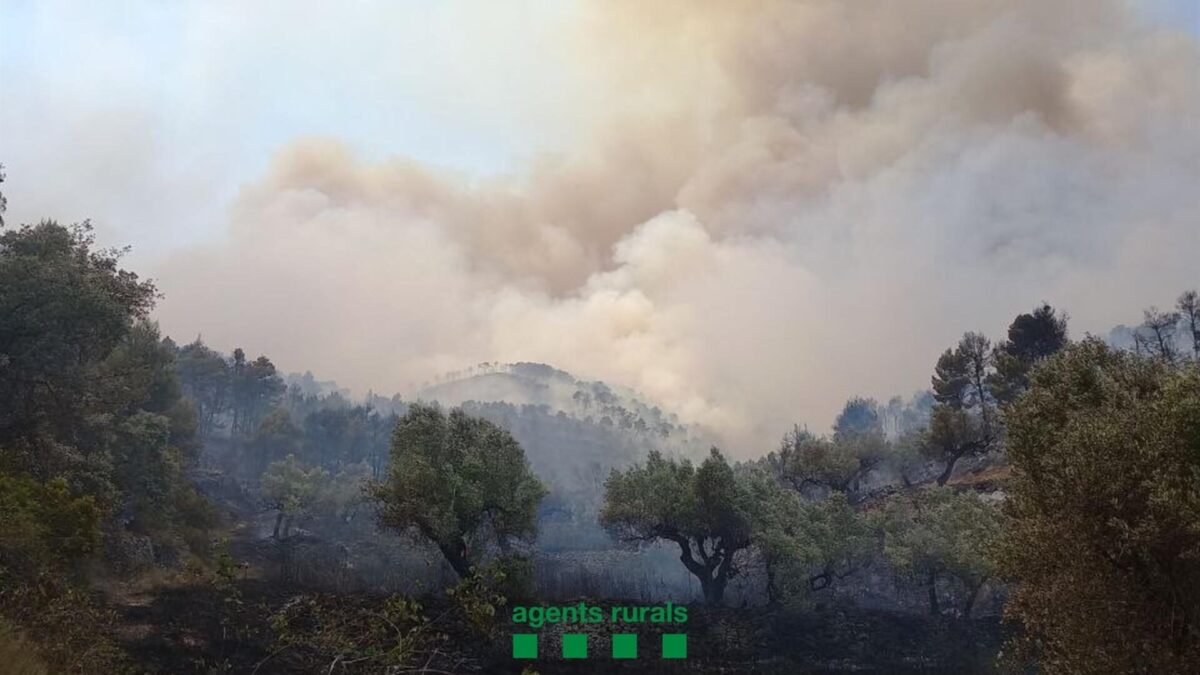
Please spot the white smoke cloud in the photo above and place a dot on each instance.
(783, 204)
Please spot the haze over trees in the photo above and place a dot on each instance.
(703, 510)
(939, 535)
(805, 546)
(753, 310)
(974, 378)
(460, 482)
(292, 489)
(1057, 479)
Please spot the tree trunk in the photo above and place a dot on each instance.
(285, 561)
(723, 568)
(934, 610)
(949, 471)
(714, 590)
(278, 520)
(972, 597)
(772, 590)
(455, 553)
(712, 577)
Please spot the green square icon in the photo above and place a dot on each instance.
(574, 645)
(674, 645)
(524, 645)
(624, 646)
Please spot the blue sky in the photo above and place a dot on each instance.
(186, 101)
(1182, 13)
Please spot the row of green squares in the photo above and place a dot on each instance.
(575, 646)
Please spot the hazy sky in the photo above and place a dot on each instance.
(147, 116)
(748, 211)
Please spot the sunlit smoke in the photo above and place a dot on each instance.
(779, 205)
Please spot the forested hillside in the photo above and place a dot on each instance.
(170, 507)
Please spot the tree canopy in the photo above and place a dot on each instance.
(832, 464)
(704, 510)
(94, 434)
(66, 306)
(460, 482)
(805, 545)
(935, 535)
(1103, 534)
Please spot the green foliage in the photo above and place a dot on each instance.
(1031, 338)
(143, 466)
(806, 545)
(43, 528)
(832, 464)
(479, 597)
(298, 490)
(233, 390)
(254, 390)
(276, 438)
(936, 534)
(1103, 539)
(515, 576)
(151, 443)
(66, 307)
(346, 434)
(293, 488)
(706, 511)
(458, 481)
(963, 420)
(858, 416)
(347, 491)
(226, 567)
(94, 435)
(95, 400)
(204, 375)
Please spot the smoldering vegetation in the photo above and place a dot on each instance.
(573, 433)
(307, 529)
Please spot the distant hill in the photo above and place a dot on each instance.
(538, 384)
(574, 433)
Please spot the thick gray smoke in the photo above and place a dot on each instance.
(776, 205)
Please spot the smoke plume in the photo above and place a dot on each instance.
(773, 206)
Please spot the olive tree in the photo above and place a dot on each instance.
(460, 482)
(704, 510)
(292, 488)
(1103, 538)
(935, 535)
(810, 463)
(805, 545)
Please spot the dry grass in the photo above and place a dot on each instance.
(18, 655)
(990, 478)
